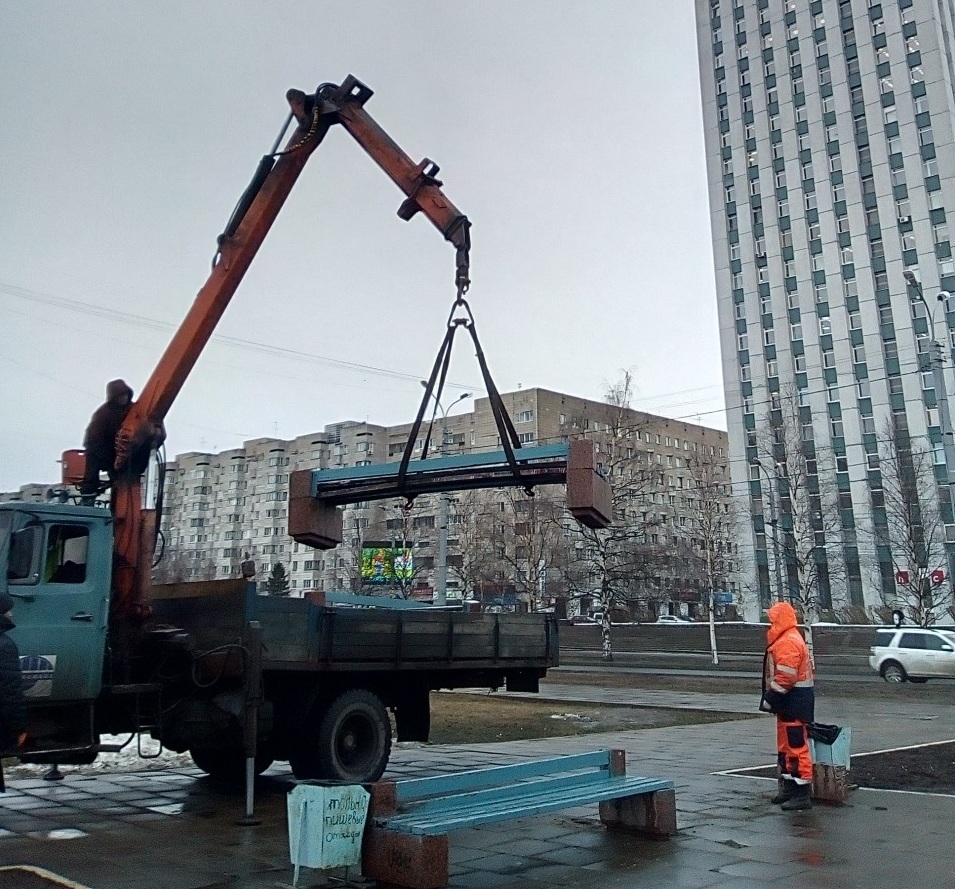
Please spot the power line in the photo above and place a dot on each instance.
(94, 310)
(238, 342)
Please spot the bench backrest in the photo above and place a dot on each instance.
(609, 762)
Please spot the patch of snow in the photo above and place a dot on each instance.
(125, 760)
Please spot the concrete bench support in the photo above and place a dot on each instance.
(650, 814)
(404, 859)
(406, 838)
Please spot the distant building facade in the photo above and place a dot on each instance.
(222, 508)
(504, 550)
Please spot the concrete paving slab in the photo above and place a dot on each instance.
(177, 828)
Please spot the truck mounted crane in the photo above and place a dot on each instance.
(212, 667)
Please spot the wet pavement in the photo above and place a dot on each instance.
(175, 828)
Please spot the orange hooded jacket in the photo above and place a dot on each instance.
(787, 668)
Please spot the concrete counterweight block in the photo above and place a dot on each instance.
(311, 522)
(589, 498)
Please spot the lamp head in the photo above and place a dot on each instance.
(910, 278)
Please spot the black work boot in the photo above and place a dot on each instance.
(800, 799)
(787, 789)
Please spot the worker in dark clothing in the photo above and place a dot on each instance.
(100, 439)
(13, 714)
(788, 692)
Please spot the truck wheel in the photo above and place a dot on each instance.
(227, 764)
(353, 739)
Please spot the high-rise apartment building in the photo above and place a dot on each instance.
(221, 509)
(831, 168)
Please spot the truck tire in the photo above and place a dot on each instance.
(350, 741)
(227, 764)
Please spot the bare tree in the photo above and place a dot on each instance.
(533, 541)
(804, 521)
(711, 508)
(478, 561)
(619, 561)
(181, 565)
(914, 530)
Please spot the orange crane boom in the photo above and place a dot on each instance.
(143, 430)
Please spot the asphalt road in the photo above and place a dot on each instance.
(841, 651)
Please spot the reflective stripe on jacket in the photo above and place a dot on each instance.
(788, 670)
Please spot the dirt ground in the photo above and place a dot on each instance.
(480, 719)
(929, 768)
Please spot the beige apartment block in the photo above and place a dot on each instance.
(219, 509)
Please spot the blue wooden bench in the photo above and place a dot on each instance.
(406, 842)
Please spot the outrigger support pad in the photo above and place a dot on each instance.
(314, 495)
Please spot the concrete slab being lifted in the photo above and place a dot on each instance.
(315, 495)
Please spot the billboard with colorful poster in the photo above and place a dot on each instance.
(386, 563)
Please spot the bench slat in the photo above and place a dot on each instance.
(523, 802)
(503, 794)
(475, 779)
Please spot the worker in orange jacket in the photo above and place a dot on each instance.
(788, 692)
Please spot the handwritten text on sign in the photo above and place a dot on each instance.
(326, 825)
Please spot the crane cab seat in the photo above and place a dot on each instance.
(73, 463)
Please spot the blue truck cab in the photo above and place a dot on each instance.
(56, 562)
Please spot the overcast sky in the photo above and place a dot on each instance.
(570, 133)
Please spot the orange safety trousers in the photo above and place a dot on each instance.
(792, 742)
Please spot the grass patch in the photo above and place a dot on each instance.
(479, 719)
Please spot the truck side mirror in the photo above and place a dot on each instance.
(23, 548)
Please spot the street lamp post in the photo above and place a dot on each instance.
(444, 504)
(398, 579)
(937, 359)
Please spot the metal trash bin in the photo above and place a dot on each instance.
(830, 767)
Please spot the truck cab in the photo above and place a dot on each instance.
(55, 563)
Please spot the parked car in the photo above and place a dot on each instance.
(673, 619)
(913, 653)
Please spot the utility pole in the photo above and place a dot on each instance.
(774, 522)
(937, 359)
(441, 579)
(441, 569)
